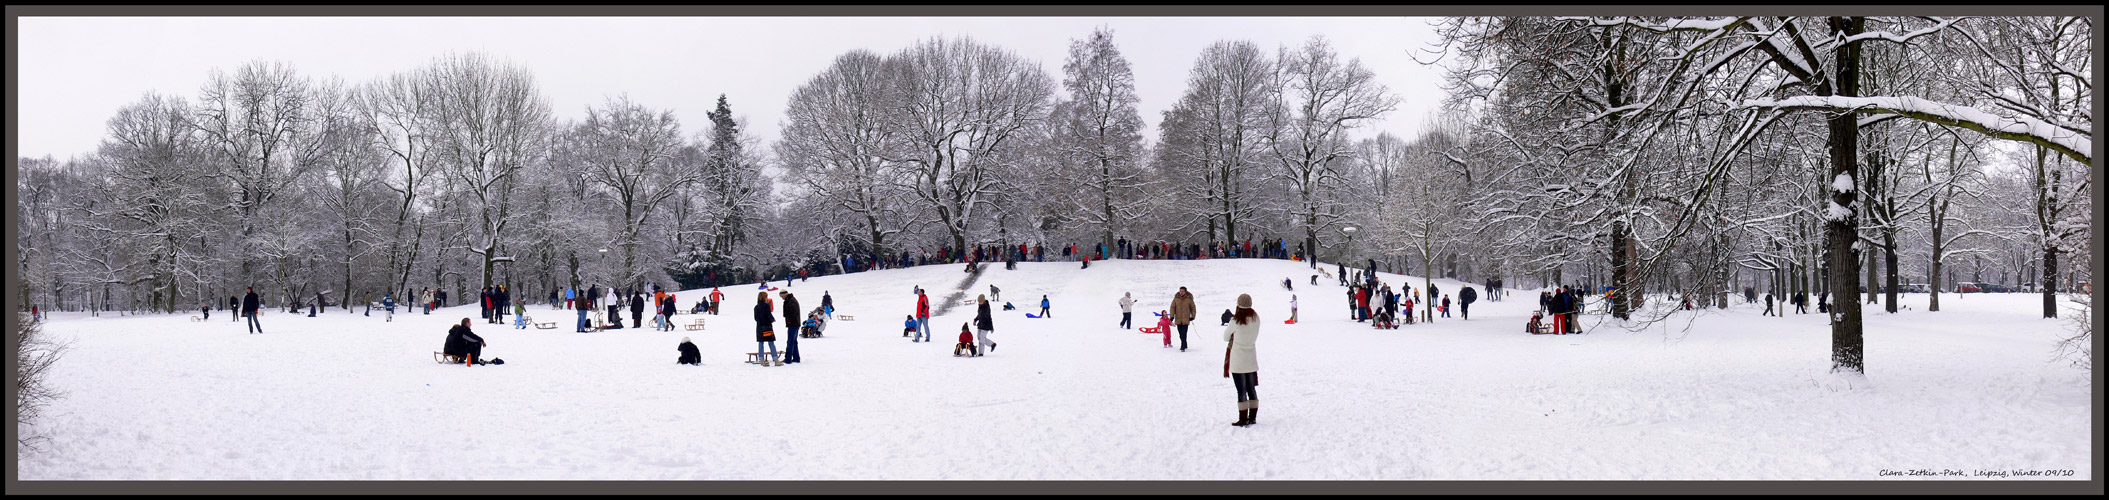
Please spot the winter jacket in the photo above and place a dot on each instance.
(790, 310)
(764, 323)
(1243, 357)
(1043, 303)
(1127, 304)
(1466, 296)
(966, 337)
(922, 306)
(1183, 308)
(459, 339)
(250, 303)
(983, 320)
(636, 304)
(689, 353)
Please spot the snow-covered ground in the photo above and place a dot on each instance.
(1737, 396)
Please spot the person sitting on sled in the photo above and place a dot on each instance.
(911, 328)
(464, 344)
(965, 347)
(811, 326)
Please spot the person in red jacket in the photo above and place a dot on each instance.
(922, 316)
(1164, 324)
(965, 347)
(1362, 303)
(715, 297)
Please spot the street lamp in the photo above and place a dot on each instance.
(1350, 230)
(604, 263)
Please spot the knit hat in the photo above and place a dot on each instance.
(684, 340)
(1244, 301)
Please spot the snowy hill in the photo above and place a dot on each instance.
(1073, 396)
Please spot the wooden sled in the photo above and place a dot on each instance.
(695, 325)
(444, 359)
(195, 319)
(845, 317)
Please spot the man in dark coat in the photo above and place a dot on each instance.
(464, 343)
(637, 308)
(1464, 302)
(666, 310)
(249, 306)
(791, 324)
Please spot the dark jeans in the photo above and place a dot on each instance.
(1246, 384)
(1043, 312)
(1127, 320)
(253, 325)
(582, 321)
(1182, 337)
(1465, 310)
(791, 344)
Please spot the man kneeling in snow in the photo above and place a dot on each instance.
(689, 354)
(464, 344)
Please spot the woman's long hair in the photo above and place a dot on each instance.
(1246, 316)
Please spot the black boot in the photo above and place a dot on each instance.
(1252, 416)
(1241, 418)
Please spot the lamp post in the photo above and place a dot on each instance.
(1350, 231)
(604, 264)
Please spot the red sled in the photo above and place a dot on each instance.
(1288, 322)
(1151, 329)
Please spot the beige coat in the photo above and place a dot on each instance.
(1243, 358)
(1182, 308)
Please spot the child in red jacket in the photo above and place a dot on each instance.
(1164, 324)
(966, 343)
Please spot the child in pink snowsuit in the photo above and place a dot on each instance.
(1164, 324)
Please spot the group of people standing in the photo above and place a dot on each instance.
(1565, 306)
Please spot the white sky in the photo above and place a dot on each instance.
(75, 72)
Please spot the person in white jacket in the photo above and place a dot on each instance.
(1242, 363)
(1127, 310)
(1292, 308)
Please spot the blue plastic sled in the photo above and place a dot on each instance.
(1031, 315)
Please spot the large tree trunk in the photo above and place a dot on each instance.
(1873, 274)
(1933, 291)
(2050, 282)
(1841, 232)
(1889, 266)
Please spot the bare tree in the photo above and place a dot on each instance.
(490, 121)
(1098, 135)
(1318, 101)
(962, 104)
(637, 155)
(832, 145)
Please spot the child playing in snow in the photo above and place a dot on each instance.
(1164, 324)
(911, 328)
(965, 347)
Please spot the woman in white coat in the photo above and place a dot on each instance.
(1243, 364)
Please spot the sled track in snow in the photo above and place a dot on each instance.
(959, 295)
